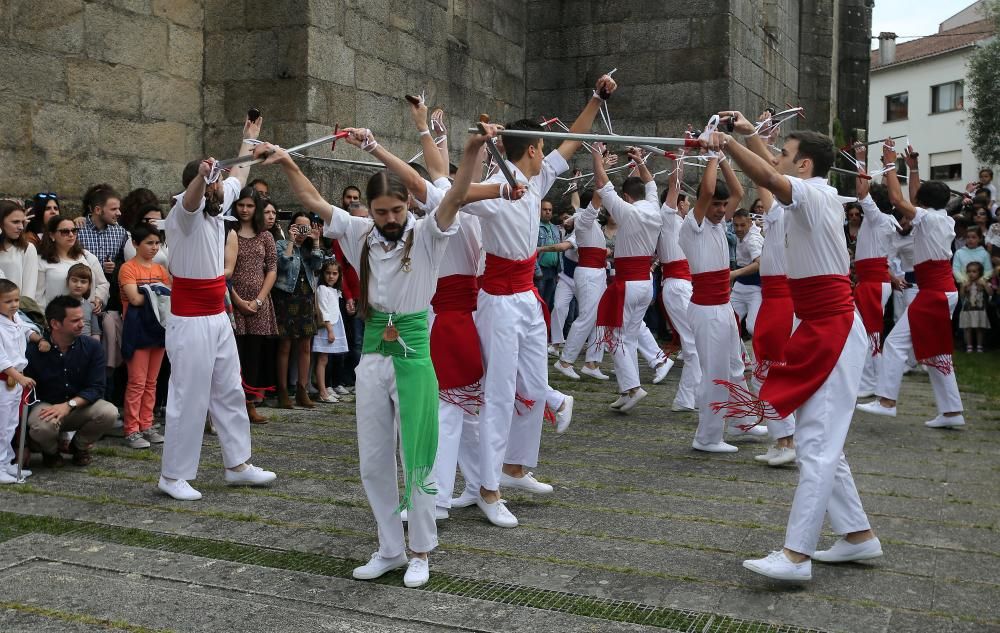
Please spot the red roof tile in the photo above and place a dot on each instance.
(950, 40)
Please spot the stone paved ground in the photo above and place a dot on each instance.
(641, 534)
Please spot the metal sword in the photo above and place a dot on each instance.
(593, 138)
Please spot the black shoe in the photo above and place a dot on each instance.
(54, 460)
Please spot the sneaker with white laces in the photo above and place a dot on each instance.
(249, 476)
(527, 482)
(718, 447)
(662, 371)
(875, 407)
(136, 440)
(178, 489)
(378, 566)
(776, 565)
(564, 415)
(341, 390)
(418, 572)
(440, 514)
(633, 400)
(771, 453)
(946, 422)
(617, 404)
(466, 499)
(786, 455)
(845, 552)
(566, 370)
(594, 372)
(758, 430)
(152, 436)
(497, 513)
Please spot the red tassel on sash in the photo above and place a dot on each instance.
(872, 273)
(197, 297)
(929, 316)
(510, 277)
(455, 349)
(775, 328)
(611, 309)
(592, 256)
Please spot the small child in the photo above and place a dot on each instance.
(14, 337)
(973, 320)
(331, 338)
(79, 282)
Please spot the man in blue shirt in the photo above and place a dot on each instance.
(69, 383)
(547, 264)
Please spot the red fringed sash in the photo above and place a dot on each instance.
(592, 256)
(774, 324)
(929, 316)
(611, 309)
(872, 273)
(677, 269)
(197, 297)
(510, 277)
(455, 349)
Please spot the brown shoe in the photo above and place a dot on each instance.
(81, 456)
(302, 398)
(284, 402)
(255, 418)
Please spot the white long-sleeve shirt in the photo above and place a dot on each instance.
(705, 245)
(13, 343)
(638, 222)
(668, 248)
(815, 243)
(900, 254)
(772, 254)
(587, 229)
(197, 242)
(391, 288)
(933, 233)
(21, 267)
(875, 232)
(52, 278)
(748, 249)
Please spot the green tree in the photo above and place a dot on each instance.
(983, 80)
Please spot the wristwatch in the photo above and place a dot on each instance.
(72, 403)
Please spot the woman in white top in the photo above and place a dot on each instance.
(58, 251)
(18, 257)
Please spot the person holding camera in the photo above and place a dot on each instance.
(300, 257)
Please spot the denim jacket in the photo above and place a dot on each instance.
(288, 266)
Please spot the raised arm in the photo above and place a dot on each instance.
(455, 197)
(194, 195)
(760, 171)
(584, 122)
(912, 171)
(735, 189)
(636, 155)
(600, 174)
(301, 187)
(674, 184)
(251, 130)
(437, 167)
(892, 183)
(363, 139)
(707, 190)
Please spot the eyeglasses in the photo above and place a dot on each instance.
(72, 231)
(47, 195)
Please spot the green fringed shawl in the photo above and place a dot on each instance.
(417, 386)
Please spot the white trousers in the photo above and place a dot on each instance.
(825, 482)
(638, 294)
(590, 285)
(10, 403)
(718, 343)
(676, 298)
(377, 413)
(512, 336)
(869, 378)
(901, 299)
(204, 378)
(776, 429)
(898, 345)
(565, 289)
(745, 299)
(458, 445)
(649, 349)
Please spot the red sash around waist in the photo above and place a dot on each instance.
(774, 324)
(611, 309)
(511, 276)
(929, 316)
(592, 256)
(872, 273)
(197, 297)
(677, 269)
(711, 288)
(455, 350)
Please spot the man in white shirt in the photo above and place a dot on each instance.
(745, 297)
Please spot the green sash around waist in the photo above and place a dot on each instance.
(417, 386)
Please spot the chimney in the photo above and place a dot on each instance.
(886, 48)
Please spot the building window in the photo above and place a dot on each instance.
(947, 97)
(896, 107)
(946, 165)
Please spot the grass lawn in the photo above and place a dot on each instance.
(979, 373)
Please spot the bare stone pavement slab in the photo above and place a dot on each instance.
(641, 534)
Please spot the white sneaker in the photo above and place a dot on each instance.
(178, 489)
(553, 350)
(497, 513)
(440, 514)
(341, 390)
(633, 400)
(866, 394)
(617, 404)
(718, 447)
(378, 566)
(876, 408)
(681, 408)
(528, 483)
(466, 499)
(771, 453)
(946, 422)
(844, 552)
(249, 476)
(11, 469)
(594, 372)
(564, 415)
(152, 436)
(136, 440)
(662, 371)
(418, 572)
(759, 430)
(7, 479)
(785, 455)
(776, 565)
(566, 370)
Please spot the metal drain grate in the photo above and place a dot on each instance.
(674, 620)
